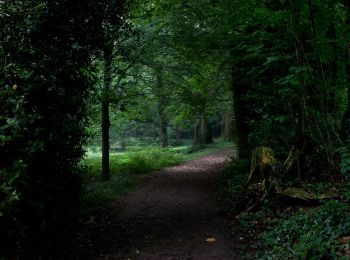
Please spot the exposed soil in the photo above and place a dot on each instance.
(175, 215)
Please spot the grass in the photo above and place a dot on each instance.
(129, 169)
(190, 154)
(136, 161)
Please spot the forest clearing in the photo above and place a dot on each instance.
(175, 129)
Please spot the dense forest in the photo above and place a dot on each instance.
(97, 94)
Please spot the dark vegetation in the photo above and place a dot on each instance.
(135, 80)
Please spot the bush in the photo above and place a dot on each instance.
(152, 159)
(136, 161)
(42, 121)
(127, 169)
(307, 235)
(233, 180)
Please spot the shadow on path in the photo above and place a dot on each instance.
(170, 217)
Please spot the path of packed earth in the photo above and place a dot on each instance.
(175, 215)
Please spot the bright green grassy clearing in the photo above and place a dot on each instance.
(136, 161)
(129, 169)
(208, 149)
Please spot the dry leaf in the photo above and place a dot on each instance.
(211, 240)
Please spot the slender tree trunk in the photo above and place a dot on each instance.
(162, 103)
(320, 64)
(203, 130)
(335, 61)
(123, 142)
(108, 51)
(223, 126)
(226, 124)
(139, 134)
(163, 127)
(345, 127)
(156, 131)
(177, 135)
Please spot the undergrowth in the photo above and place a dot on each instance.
(127, 170)
(232, 182)
(135, 161)
(282, 229)
(313, 234)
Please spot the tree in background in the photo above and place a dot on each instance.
(113, 28)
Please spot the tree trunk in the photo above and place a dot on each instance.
(240, 108)
(162, 103)
(123, 141)
(223, 126)
(156, 131)
(334, 63)
(108, 51)
(177, 135)
(139, 134)
(163, 127)
(345, 127)
(226, 127)
(202, 132)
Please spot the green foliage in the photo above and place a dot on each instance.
(192, 153)
(136, 161)
(318, 188)
(312, 234)
(344, 163)
(282, 66)
(127, 169)
(42, 117)
(233, 179)
(288, 80)
(152, 159)
(45, 48)
(99, 193)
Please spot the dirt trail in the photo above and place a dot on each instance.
(176, 212)
(170, 217)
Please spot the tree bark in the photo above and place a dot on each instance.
(240, 108)
(226, 127)
(223, 126)
(177, 135)
(163, 127)
(108, 52)
(123, 141)
(345, 127)
(162, 103)
(202, 133)
(334, 63)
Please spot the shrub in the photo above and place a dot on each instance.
(152, 159)
(42, 120)
(233, 180)
(307, 235)
(126, 170)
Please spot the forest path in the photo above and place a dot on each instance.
(174, 214)
(171, 216)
